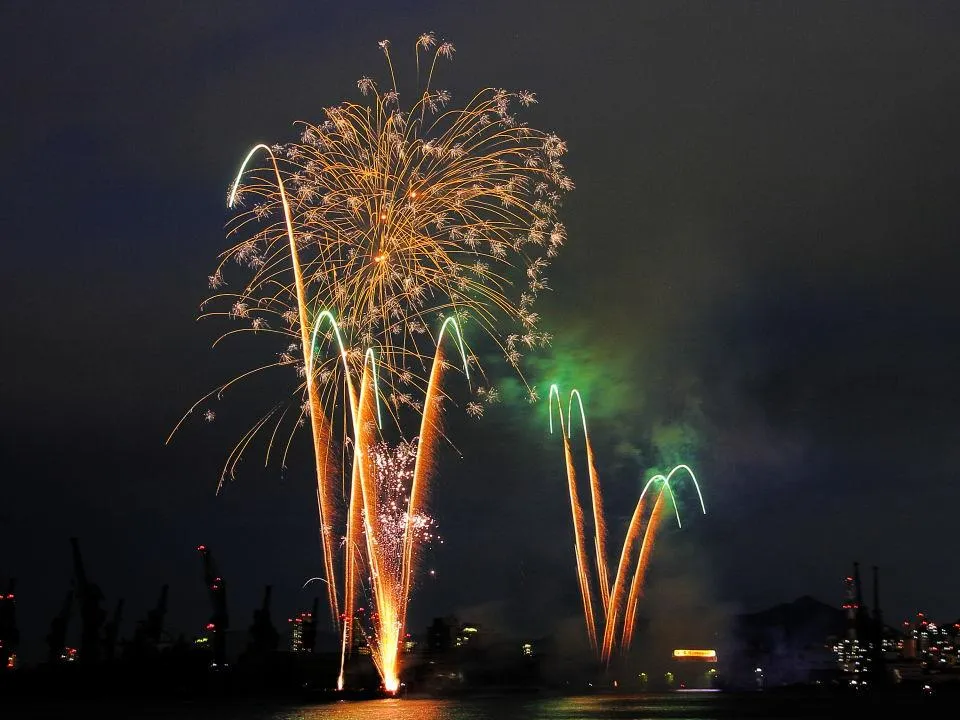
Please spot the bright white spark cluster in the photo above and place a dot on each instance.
(394, 466)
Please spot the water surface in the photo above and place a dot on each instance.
(685, 706)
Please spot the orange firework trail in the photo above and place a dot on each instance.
(382, 219)
(583, 569)
(390, 526)
(596, 499)
(618, 604)
(640, 575)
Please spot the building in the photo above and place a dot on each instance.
(441, 636)
(692, 669)
(9, 634)
(933, 646)
(863, 653)
(467, 635)
(297, 625)
(852, 649)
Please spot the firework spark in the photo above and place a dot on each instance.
(393, 469)
(394, 466)
(619, 606)
(374, 539)
(396, 215)
(383, 219)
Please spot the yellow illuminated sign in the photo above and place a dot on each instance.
(708, 655)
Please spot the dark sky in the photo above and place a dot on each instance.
(762, 249)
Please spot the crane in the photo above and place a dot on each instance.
(310, 628)
(263, 635)
(92, 614)
(110, 632)
(9, 634)
(57, 637)
(219, 620)
(148, 634)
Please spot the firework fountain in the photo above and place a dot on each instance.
(380, 221)
(618, 605)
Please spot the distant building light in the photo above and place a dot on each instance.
(706, 655)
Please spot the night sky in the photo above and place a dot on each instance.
(759, 279)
